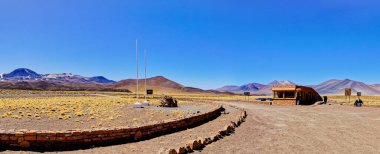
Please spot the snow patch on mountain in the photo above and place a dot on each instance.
(24, 74)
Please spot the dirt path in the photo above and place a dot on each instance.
(277, 129)
(303, 129)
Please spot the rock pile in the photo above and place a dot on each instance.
(168, 101)
(200, 143)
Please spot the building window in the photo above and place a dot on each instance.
(284, 94)
(289, 94)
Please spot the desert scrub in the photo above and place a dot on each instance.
(61, 107)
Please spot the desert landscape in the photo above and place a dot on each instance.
(267, 129)
(180, 77)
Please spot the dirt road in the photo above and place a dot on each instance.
(277, 129)
(303, 129)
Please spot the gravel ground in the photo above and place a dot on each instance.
(168, 141)
(277, 129)
(129, 117)
(303, 129)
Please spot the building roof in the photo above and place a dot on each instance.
(284, 88)
(290, 88)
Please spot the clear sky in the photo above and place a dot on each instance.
(198, 43)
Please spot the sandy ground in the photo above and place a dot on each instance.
(303, 129)
(277, 129)
(154, 145)
(130, 117)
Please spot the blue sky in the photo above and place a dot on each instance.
(198, 43)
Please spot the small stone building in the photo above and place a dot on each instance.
(287, 95)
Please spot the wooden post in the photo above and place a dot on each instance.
(345, 98)
(349, 99)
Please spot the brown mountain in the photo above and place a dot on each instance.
(158, 81)
(338, 86)
(160, 85)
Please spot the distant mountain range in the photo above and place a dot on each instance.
(338, 86)
(254, 88)
(27, 79)
(329, 87)
(24, 74)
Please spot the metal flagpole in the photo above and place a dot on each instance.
(137, 104)
(137, 74)
(145, 71)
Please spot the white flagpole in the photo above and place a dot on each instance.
(145, 72)
(137, 74)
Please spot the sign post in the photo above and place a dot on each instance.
(359, 94)
(247, 94)
(149, 92)
(348, 93)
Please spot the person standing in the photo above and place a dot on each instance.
(299, 99)
(358, 103)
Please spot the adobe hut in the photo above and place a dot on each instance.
(294, 95)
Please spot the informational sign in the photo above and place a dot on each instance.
(149, 92)
(359, 93)
(347, 91)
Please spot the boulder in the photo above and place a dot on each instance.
(172, 151)
(228, 129)
(194, 145)
(181, 150)
(168, 101)
(207, 140)
(222, 132)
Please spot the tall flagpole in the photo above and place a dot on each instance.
(137, 74)
(145, 73)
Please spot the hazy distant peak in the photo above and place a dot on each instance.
(21, 73)
(229, 88)
(24, 74)
(59, 75)
(100, 79)
(281, 82)
(337, 87)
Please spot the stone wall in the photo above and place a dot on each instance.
(49, 140)
(201, 142)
